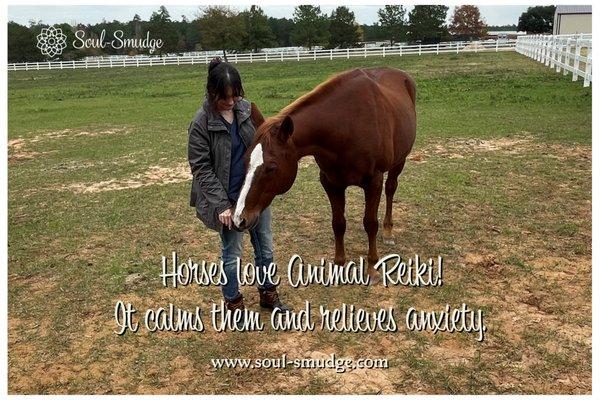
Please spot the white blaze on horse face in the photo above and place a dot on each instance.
(256, 160)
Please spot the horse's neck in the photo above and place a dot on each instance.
(309, 134)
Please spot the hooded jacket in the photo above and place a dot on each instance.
(209, 155)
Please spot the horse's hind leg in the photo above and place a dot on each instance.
(372, 197)
(391, 184)
(337, 199)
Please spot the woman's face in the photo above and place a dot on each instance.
(228, 102)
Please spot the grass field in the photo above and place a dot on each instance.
(499, 184)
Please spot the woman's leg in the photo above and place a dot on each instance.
(231, 242)
(262, 241)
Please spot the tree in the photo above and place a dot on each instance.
(343, 29)
(427, 23)
(467, 22)
(220, 29)
(258, 31)
(310, 27)
(393, 22)
(282, 28)
(22, 44)
(374, 33)
(537, 19)
(161, 27)
(135, 27)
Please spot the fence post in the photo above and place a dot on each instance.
(348, 54)
(297, 55)
(331, 54)
(588, 69)
(281, 55)
(497, 41)
(365, 51)
(250, 58)
(314, 54)
(558, 54)
(456, 47)
(567, 56)
(577, 55)
(419, 48)
(552, 52)
(437, 49)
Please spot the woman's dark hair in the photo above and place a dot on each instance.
(221, 76)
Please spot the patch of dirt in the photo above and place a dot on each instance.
(25, 155)
(461, 148)
(71, 133)
(76, 165)
(155, 175)
(16, 144)
(306, 162)
(18, 147)
(354, 381)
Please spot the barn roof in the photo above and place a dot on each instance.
(574, 9)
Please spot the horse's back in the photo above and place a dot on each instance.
(395, 91)
(393, 79)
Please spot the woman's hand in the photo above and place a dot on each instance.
(225, 217)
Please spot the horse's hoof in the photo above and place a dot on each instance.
(389, 242)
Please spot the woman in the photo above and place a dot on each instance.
(219, 135)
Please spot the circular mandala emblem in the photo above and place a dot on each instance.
(51, 41)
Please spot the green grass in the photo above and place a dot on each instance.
(527, 206)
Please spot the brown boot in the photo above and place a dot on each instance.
(269, 298)
(235, 304)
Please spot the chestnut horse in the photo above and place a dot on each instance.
(357, 125)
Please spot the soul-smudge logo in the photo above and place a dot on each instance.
(51, 41)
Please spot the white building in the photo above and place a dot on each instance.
(572, 19)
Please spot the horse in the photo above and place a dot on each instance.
(357, 125)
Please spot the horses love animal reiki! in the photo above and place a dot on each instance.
(357, 125)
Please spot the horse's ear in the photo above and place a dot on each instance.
(286, 129)
(256, 116)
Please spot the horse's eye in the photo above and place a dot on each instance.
(271, 166)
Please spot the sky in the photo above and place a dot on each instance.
(493, 15)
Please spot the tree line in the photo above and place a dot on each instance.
(223, 28)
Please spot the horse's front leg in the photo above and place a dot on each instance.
(372, 191)
(337, 199)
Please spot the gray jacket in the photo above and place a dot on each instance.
(209, 155)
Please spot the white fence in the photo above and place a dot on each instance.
(452, 47)
(571, 53)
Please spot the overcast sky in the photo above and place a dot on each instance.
(493, 15)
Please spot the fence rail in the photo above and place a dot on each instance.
(571, 53)
(440, 48)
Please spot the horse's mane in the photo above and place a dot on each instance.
(302, 101)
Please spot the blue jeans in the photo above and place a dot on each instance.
(262, 241)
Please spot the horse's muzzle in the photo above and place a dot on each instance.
(245, 225)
